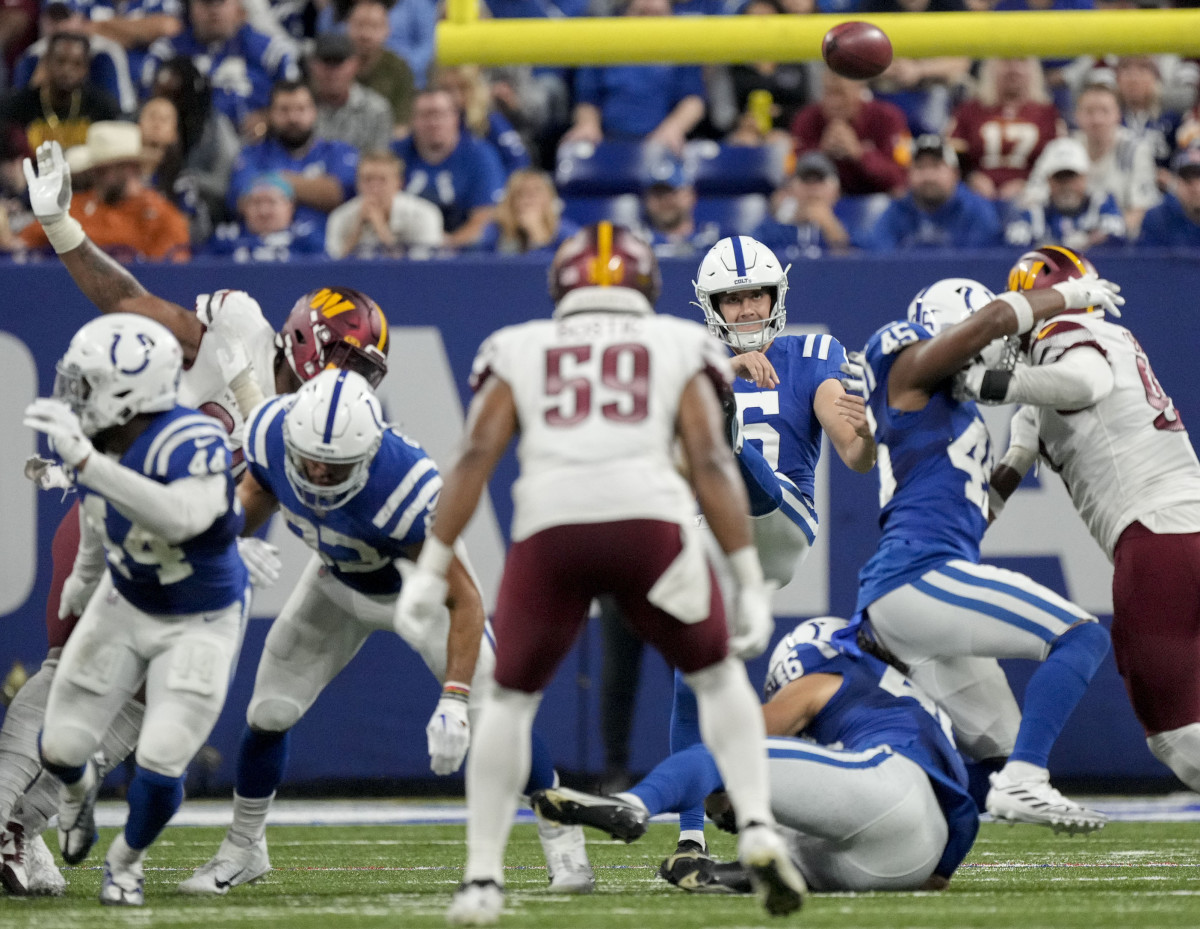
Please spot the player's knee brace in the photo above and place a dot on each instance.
(1082, 648)
(1179, 750)
(273, 715)
(166, 749)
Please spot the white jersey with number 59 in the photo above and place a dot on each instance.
(597, 397)
(1126, 458)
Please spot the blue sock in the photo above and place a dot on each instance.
(685, 732)
(1055, 689)
(262, 758)
(153, 799)
(680, 782)
(761, 483)
(541, 765)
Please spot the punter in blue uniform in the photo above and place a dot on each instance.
(169, 612)
(864, 774)
(787, 391)
(359, 493)
(927, 598)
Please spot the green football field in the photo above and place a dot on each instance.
(1132, 875)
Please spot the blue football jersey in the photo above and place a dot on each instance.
(201, 574)
(877, 705)
(934, 466)
(361, 540)
(780, 421)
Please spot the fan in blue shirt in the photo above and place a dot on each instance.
(1176, 221)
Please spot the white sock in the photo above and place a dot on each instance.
(693, 835)
(497, 769)
(1179, 750)
(249, 819)
(638, 802)
(19, 759)
(731, 724)
(1018, 772)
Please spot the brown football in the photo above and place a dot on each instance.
(857, 50)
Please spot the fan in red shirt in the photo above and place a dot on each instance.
(1001, 131)
(867, 140)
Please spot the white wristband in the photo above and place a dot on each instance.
(435, 555)
(1021, 306)
(746, 566)
(1019, 459)
(64, 233)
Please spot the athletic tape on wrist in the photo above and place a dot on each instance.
(1021, 306)
(64, 232)
(456, 690)
(435, 555)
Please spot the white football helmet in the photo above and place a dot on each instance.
(334, 420)
(116, 367)
(949, 301)
(742, 263)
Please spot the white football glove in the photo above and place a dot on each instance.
(76, 593)
(1024, 429)
(449, 734)
(855, 374)
(50, 185)
(754, 624)
(1090, 290)
(62, 428)
(422, 599)
(262, 561)
(47, 474)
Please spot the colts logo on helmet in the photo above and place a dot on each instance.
(131, 356)
(329, 302)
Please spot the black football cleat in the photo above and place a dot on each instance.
(619, 818)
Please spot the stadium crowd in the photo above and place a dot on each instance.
(271, 130)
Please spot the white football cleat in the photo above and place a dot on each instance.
(476, 903)
(77, 816)
(566, 858)
(45, 880)
(772, 872)
(232, 865)
(1035, 801)
(124, 881)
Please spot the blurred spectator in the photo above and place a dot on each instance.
(669, 210)
(346, 110)
(924, 88)
(66, 104)
(759, 100)
(1071, 213)
(450, 168)
(1000, 133)
(18, 29)
(208, 141)
(268, 229)
(1056, 70)
(120, 213)
(383, 221)
(528, 218)
(412, 25)
(866, 139)
(1121, 163)
(1176, 221)
(15, 213)
(473, 98)
(108, 62)
(320, 171)
(241, 64)
(659, 104)
(939, 211)
(803, 223)
(1139, 89)
(132, 24)
(163, 166)
(379, 68)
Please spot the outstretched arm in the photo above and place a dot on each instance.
(101, 279)
(843, 417)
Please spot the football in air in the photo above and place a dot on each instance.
(857, 50)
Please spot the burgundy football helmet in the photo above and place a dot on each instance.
(1043, 267)
(335, 327)
(605, 255)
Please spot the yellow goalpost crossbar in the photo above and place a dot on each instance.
(463, 38)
